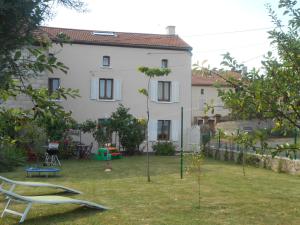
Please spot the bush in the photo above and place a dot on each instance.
(66, 149)
(217, 154)
(164, 148)
(226, 155)
(240, 158)
(10, 157)
(252, 160)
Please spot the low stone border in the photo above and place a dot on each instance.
(277, 164)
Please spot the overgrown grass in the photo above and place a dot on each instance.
(227, 197)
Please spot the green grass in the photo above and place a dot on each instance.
(262, 197)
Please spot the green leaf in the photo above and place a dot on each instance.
(17, 55)
(143, 91)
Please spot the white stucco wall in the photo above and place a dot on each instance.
(210, 96)
(84, 62)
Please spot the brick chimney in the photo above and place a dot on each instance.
(170, 30)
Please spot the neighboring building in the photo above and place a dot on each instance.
(104, 67)
(204, 92)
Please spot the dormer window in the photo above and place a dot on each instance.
(106, 61)
(164, 63)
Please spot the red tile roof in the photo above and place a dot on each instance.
(199, 79)
(158, 41)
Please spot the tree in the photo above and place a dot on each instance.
(101, 130)
(23, 57)
(150, 73)
(24, 54)
(131, 131)
(273, 92)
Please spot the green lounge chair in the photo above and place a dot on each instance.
(46, 199)
(35, 184)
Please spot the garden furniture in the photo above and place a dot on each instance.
(35, 184)
(45, 199)
(51, 158)
(115, 154)
(86, 151)
(103, 154)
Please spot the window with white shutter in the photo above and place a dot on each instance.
(175, 91)
(152, 130)
(106, 89)
(94, 88)
(153, 90)
(117, 90)
(175, 130)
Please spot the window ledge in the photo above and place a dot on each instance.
(105, 100)
(165, 102)
(105, 67)
(55, 100)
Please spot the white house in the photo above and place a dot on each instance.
(104, 67)
(205, 93)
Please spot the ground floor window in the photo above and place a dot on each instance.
(163, 129)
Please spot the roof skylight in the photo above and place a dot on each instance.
(104, 33)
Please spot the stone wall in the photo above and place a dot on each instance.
(277, 164)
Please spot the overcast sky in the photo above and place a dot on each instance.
(211, 27)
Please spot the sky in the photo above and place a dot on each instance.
(211, 27)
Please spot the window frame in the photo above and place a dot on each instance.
(164, 63)
(50, 85)
(108, 61)
(163, 97)
(160, 130)
(105, 88)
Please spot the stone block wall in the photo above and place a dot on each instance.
(277, 164)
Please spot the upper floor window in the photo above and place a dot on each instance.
(202, 91)
(106, 88)
(53, 84)
(106, 61)
(164, 63)
(164, 91)
(163, 129)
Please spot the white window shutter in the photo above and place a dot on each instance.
(175, 91)
(117, 89)
(152, 130)
(175, 130)
(94, 88)
(153, 90)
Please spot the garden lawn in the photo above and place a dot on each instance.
(227, 197)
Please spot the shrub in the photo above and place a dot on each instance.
(252, 160)
(240, 158)
(164, 148)
(10, 157)
(217, 154)
(66, 149)
(226, 155)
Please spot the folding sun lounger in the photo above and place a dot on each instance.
(35, 184)
(46, 199)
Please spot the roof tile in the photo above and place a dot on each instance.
(159, 41)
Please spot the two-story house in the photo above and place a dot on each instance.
(104, 67)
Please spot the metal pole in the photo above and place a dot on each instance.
(238, 132)
(219, 139)
(181, 146)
